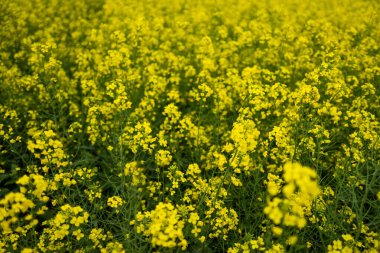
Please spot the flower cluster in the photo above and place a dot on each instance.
(163, 226)
(299, 190)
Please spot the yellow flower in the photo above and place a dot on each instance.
(164, 226)
(347, 237)
(27, 250)
(277, 231)
(163, 158)
(115, 202)
(292, 240)
(245, 135)
(78, 234)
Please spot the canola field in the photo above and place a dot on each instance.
(190, 126)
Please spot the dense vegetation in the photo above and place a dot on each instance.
(195, 126)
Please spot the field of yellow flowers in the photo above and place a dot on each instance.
(190, 126)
